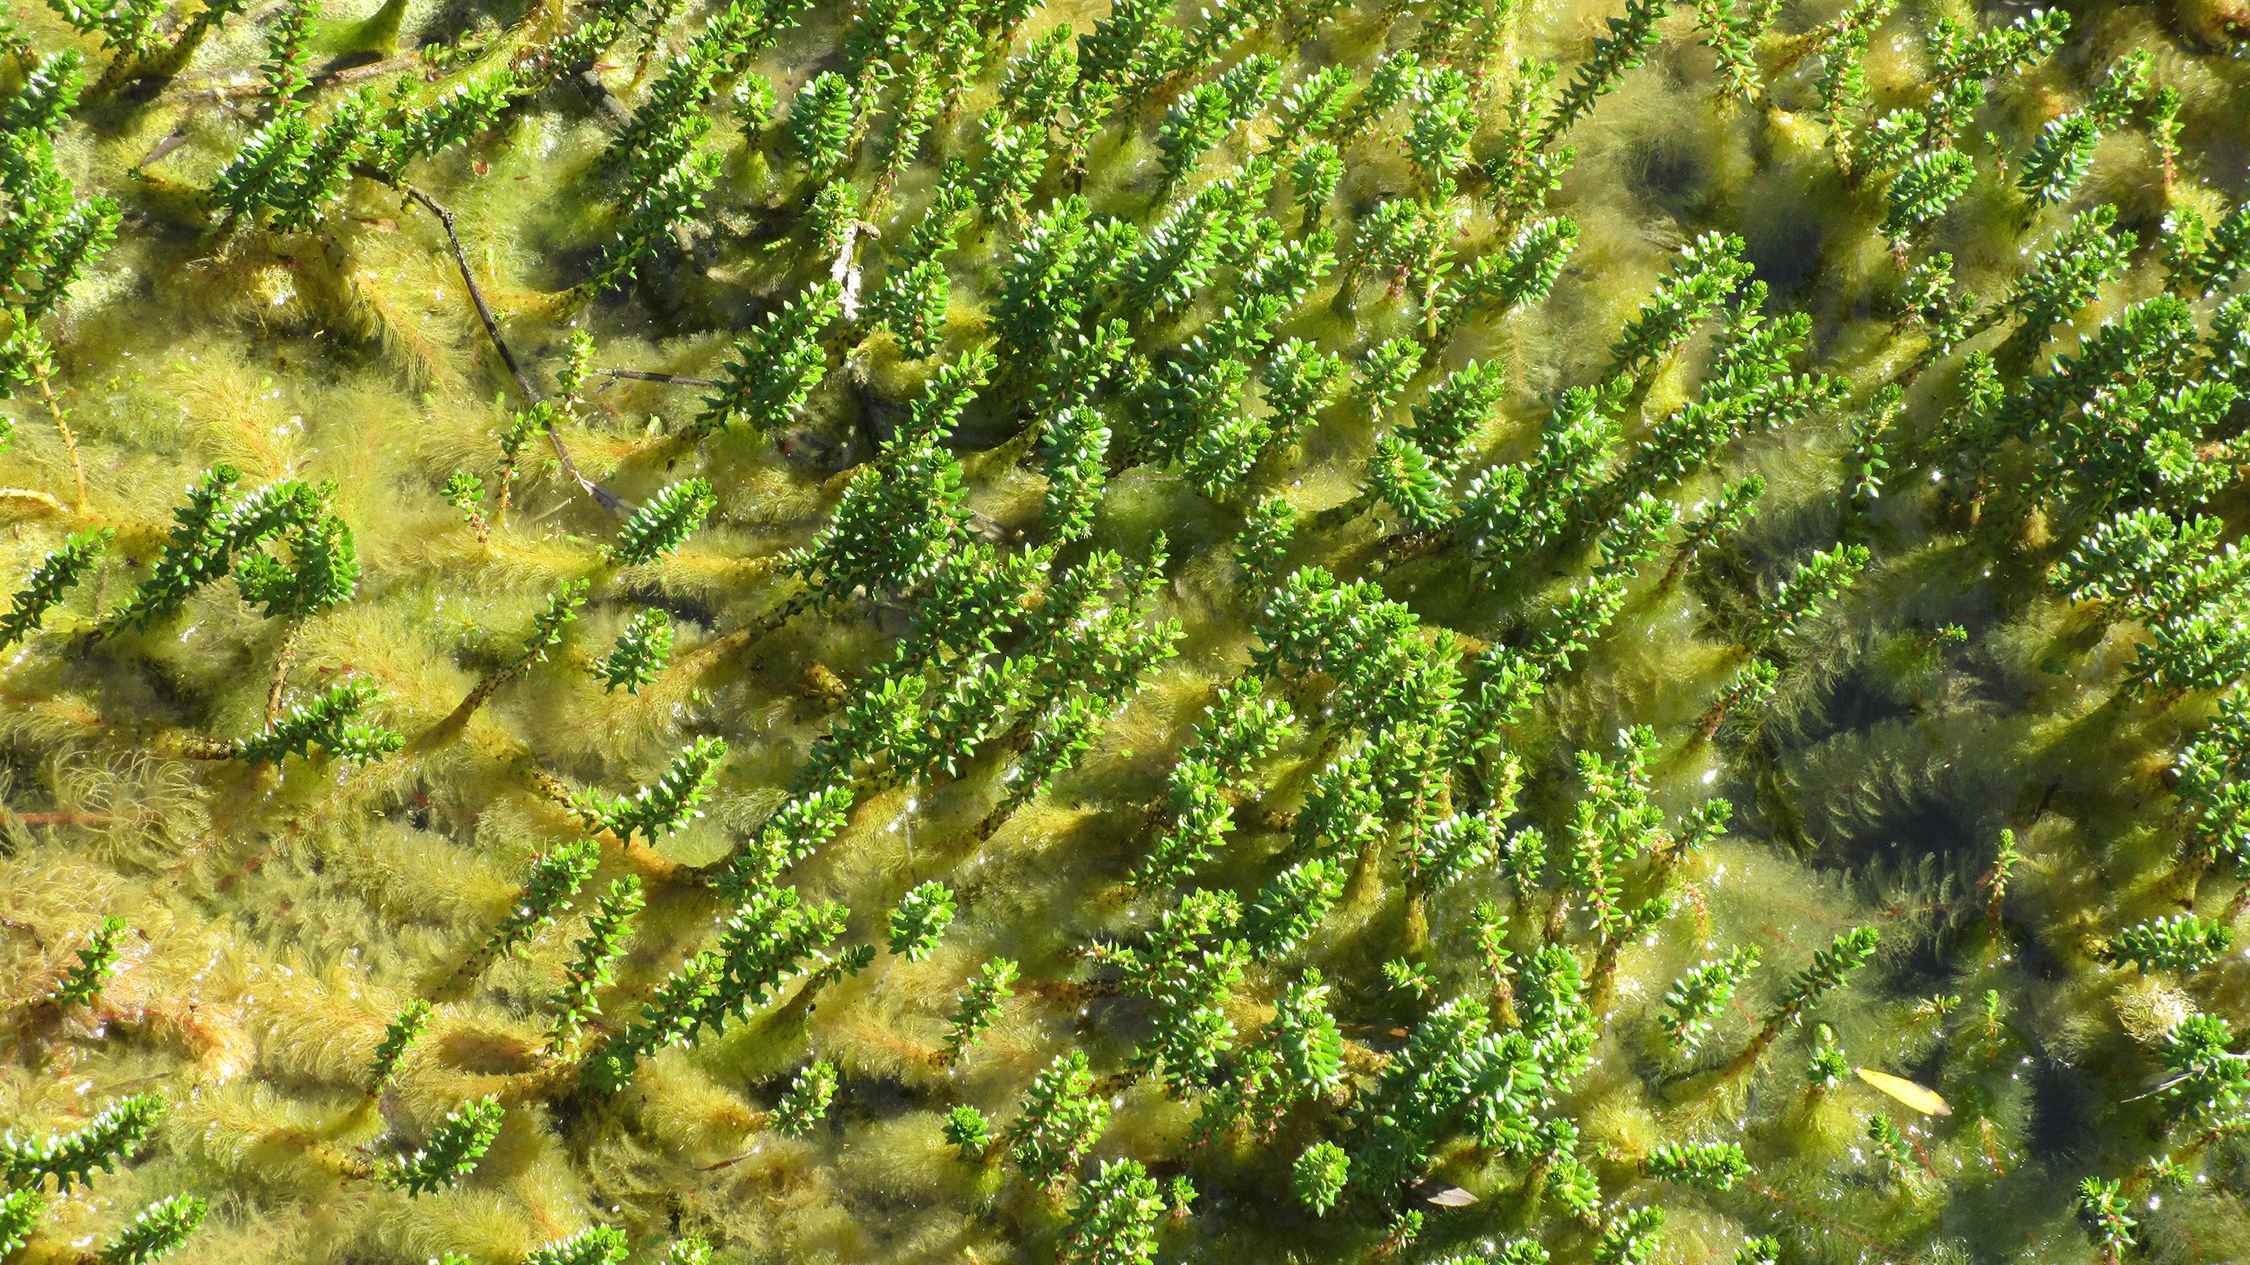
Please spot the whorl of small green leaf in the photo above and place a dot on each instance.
(1040, 84)
(912, 303)
(664, 805)
(893, 527)
(1013, 161)
(1311, 107)
(1319, 1175)
(979, 1005)
(160, 1227)
(399, 1036)
(597, 953)
(920, 920)
(96, 962)
(1817, 582)
(594, 1245)
(1627, 43)
(1060, 1117)
(412, 133)
(127, 27)
(1758, 1252)
(951, 389)
(2205, 260)
(2059, 157)
(1891, 139)
(657, 199)
(1458, 408)
(1133, 48)
(1305, 1036)
(1963, 53)
(688, 1251)
(284, 67)
(1631, 1239)
(1842, 82)
(672, 1014)
(775, 366)
(1219, 456)
(2102, 1211)
(662, 524)
(56, 574)
(1313, 177)
(1115, 1218)
(555, 879)
(1827, 970)
(642, 651)
(322, 571)
(81, 234)
(1287, 909)
(671, 117)
(1263, 544)
(1177, 258)
(193, 555)
(1077, 469)
(1048, 281)
(1442, 117)
(1925, 186)
(1703, 274)
(1298, 381)
(752, 102)
(547, 625)
(769, 938)
(1383, 375)
(1192, 125)
(49, 93)
(968, 1132)
(2067, 275)
(2209, 1079)
(454, 1147)
(463, 490)
(806, 820)
(2182, 943)
(805, 1104)
(19, 1216)
(1733, 42)
(1717, 1165)
(327, 721)
(73, 1157)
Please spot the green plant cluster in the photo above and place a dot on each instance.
(1411, 631)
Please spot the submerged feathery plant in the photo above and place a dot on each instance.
(1342, 644)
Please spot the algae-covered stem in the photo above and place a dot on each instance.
(617, 505)
(41, 369)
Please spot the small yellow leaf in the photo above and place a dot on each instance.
(1453, 1197)
(1919, 1098)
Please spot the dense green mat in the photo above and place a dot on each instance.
(1273, 632)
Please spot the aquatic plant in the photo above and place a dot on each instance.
(121, 1128)
(96, 962)
(1439, 631)
(453, 1148)
(156, 1231)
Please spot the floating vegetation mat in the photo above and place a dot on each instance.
(1268, 631)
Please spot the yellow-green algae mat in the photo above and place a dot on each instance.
(1441, 631)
